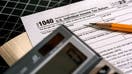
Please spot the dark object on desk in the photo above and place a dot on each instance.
(12, 10)
(62, 52)
(3, 65)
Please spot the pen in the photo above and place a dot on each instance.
(114, 26)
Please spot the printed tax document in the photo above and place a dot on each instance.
(116, 47)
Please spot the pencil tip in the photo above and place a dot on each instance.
(92, 23)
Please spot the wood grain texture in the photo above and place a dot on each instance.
(16, 48)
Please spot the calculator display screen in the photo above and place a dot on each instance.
(64, 62)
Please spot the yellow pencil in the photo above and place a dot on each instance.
(114, 26)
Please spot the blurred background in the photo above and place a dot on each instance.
(12, 10)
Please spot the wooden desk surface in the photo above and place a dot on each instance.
(14, 49)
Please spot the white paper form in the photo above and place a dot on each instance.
(115, 47)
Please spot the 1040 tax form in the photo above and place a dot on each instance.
(116, 47)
